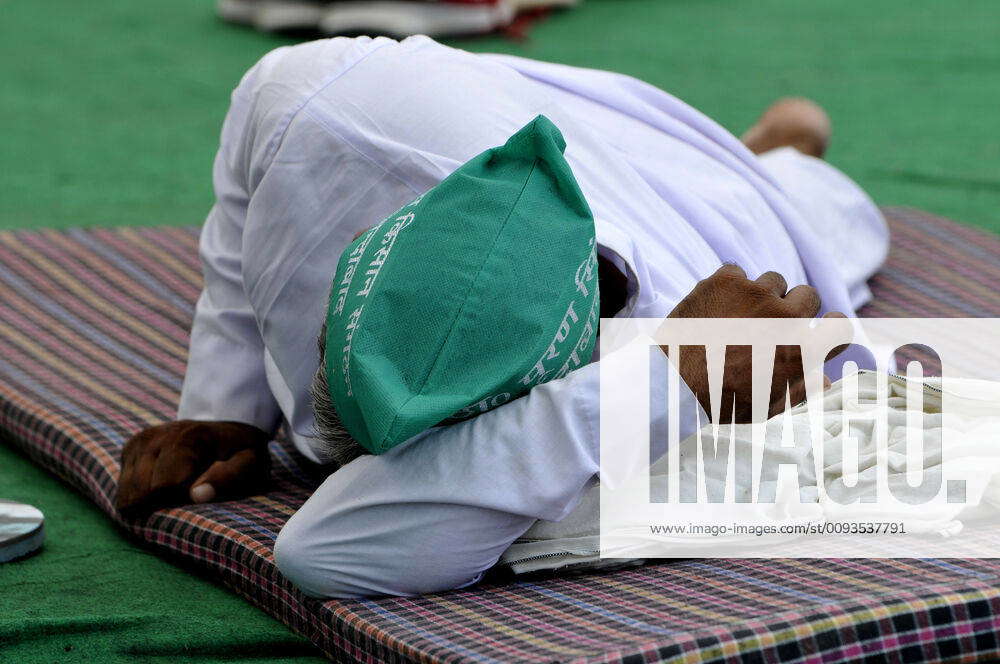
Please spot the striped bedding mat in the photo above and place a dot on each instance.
(119, 303)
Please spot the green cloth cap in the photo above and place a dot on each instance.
(467, 297)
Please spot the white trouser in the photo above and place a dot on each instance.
(405, 523)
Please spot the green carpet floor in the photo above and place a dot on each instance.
(111, 111)
(92, 596)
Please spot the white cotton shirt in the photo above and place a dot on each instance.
(327, 138)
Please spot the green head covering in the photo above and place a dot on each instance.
(467, 297)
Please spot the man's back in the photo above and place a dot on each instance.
(327, 138)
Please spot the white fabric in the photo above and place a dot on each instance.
(837, 210)
(327, 138)
(964, 432)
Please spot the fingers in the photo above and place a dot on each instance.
(231, 437)
(157, 478)
(731, 270)
(245, 473)
(800, 302)
(804, 301)
(773, 282)
(158, 465)
(133, 484)
(174, 467)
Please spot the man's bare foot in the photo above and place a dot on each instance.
(795, 121)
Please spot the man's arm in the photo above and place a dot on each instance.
(280, 180)
(436, 512)
(227, 414)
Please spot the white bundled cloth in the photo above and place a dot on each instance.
(958, 420)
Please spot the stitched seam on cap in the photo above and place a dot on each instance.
(465, 299)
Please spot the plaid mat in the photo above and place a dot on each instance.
(117, 304)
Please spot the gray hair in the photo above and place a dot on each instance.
(338, 445)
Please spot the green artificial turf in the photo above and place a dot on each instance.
(111, 110)
(90, 595)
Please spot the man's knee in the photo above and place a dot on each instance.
(341, 558)
(302, 561)
(327, 559)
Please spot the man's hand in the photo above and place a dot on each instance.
(191, 462)
(730, 294)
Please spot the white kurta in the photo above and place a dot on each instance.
(327, 138)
